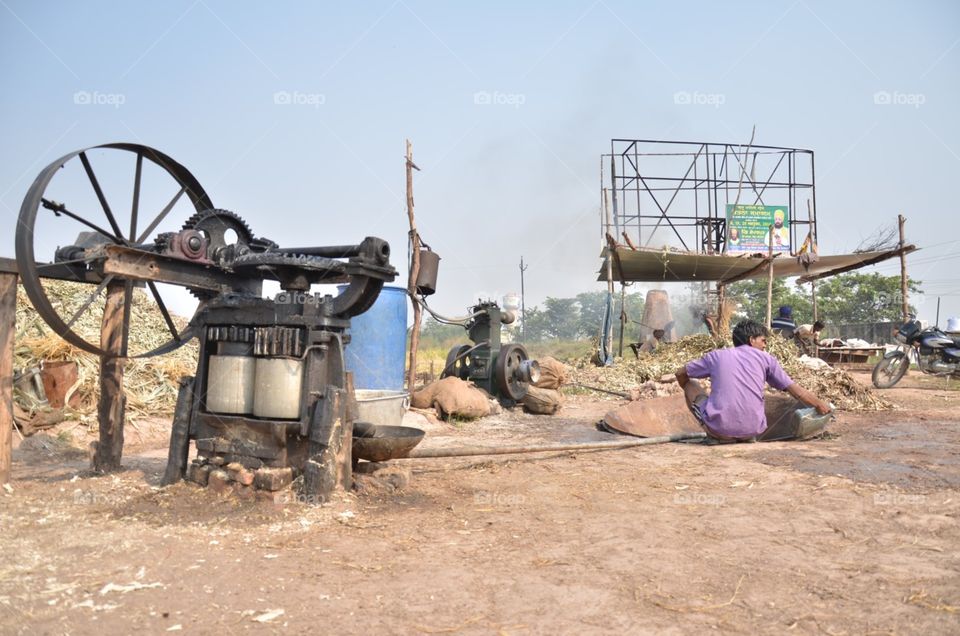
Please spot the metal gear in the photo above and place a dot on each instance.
(214, 224)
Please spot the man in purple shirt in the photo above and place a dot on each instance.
(734, 409)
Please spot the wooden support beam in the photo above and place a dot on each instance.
(110, 410)
(906, 249)
(8, 330)
(180, 434)
(329, 466)
(750, 272)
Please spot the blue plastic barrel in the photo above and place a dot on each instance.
(378, 342)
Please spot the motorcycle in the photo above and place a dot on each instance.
(933, 351)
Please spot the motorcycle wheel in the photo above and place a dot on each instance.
(889, 371)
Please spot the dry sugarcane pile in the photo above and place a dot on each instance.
(833, 385)
(629, 372)
(150, 384)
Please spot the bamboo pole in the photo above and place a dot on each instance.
(8, 317)
(467, 451)
(904, 305)
(414, 272)
(770, 279)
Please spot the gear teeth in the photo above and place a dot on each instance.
(162, 242)
(199, 217)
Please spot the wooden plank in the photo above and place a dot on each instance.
(8, 319)
(110, 410)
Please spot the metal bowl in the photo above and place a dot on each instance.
(377, 443)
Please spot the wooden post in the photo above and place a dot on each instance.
(8, 330)
(770, 279)
(722, 324)
(611, 246)
(110, 410)
(180, 434)
(904, 306)
(414, 272)
(623, 317)
(813, 295)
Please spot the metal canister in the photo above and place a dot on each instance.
(427, 274)
(277, 391)
(230, 384)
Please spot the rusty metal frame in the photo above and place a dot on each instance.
(685, 203)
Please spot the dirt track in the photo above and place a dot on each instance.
(857, 533)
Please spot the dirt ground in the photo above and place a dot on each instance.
(856, 533)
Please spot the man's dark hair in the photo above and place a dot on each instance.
(747, 329)
(819, 325)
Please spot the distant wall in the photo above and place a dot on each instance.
(876, 332)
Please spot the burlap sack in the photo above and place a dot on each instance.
(423, 399)
(553, 373)
(453, 397)
(542, 401)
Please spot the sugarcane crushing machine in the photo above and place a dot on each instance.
(270, 400)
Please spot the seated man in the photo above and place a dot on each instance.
(808, 336)
(653, 341)
(783, 324)
(734, 409)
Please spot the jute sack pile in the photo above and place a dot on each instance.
(453, 397)
(542, 401)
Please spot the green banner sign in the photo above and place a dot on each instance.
(748, 228)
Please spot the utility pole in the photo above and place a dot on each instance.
(523, 304)
(904, 306)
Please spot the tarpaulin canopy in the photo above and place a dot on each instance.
(646, 265)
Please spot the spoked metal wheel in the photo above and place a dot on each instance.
(458, 363)
(515, 371)
(52, 234)
(889, 370)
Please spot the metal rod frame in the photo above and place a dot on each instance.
(700, 179)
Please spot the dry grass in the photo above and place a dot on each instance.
(150, 383)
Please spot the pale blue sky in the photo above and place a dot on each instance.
(198, 78)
